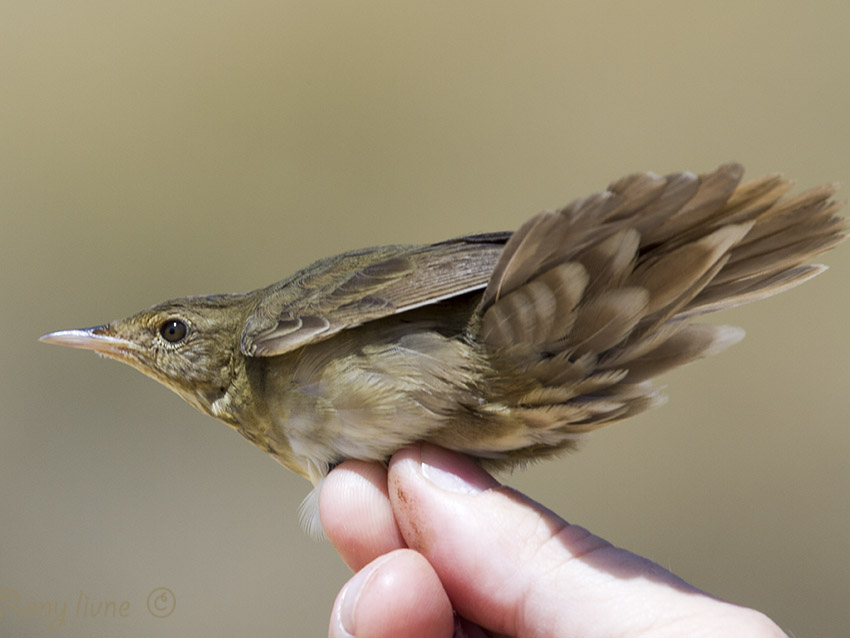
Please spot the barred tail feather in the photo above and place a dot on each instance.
(594, 300)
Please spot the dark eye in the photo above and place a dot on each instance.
(173, 330)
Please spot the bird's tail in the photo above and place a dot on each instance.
(590, 302)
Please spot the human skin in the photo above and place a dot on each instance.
(440, 548)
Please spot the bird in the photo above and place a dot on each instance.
(508, 347)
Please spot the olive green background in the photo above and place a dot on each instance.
(155, 149)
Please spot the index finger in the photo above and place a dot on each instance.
(356, 513)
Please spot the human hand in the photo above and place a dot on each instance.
(435, 533)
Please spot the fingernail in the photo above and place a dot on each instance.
(453, 472)
(350, 596)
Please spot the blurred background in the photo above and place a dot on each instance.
(157, 149)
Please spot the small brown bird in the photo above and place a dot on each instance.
(504, 346)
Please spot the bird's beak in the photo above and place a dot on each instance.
(98, 339)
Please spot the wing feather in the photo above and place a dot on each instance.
(353, 288)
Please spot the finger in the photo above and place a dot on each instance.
(516, 568)
(397, 594)
(356, 513)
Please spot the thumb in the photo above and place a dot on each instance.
(514, 567)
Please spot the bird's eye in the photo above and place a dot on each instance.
(173, 330)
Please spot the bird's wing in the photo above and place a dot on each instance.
(363, 285)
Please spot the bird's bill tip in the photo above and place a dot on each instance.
(97, 339)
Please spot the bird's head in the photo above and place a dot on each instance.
(190, 345)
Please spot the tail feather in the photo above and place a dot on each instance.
(593, 301)
(675, 309)
(670, 276)
(692, 342)
(664, 196)
(746, 291)
(610, 262)
(607, 319)
(713, 193)
(539, 312)
(561, 369)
